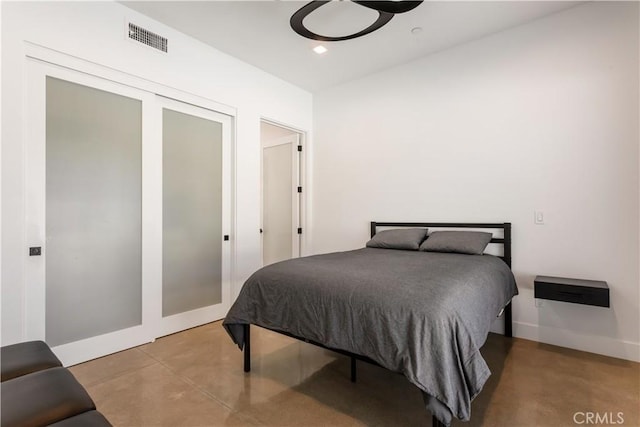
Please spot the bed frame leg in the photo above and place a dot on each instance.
(247, 348)
(436, 422)
(508, 323)
(353, 369)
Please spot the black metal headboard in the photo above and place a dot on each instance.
(505, 227)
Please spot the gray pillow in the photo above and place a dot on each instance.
(401, 238)
(462, 242)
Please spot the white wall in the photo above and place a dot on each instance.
(539, 117)
(94, 31)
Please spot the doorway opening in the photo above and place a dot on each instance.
(281, 192)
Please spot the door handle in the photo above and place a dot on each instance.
(35, 251)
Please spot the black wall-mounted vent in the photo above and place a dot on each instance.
(147, 37)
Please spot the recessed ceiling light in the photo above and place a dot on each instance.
(319, 50)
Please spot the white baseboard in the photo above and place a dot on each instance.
(606, 346)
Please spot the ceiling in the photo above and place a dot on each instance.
(258, 32)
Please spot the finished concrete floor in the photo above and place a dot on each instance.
(195, 378)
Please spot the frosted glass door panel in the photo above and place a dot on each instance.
(278, 221)
(191, 213)
(93, 212)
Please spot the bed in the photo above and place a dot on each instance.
(422, 314)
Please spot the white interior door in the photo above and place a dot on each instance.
(280, 199)
(196, 286)
(86, 291)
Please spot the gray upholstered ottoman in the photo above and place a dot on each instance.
(37, 391)
(27, 357)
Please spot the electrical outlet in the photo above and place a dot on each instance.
(538, 217)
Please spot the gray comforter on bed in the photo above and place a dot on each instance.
(422, 314)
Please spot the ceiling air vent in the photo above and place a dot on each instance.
(147, 37)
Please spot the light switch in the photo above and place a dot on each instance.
(539, 217)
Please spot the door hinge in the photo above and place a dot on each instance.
(299, 147)
(299, 230)
(299, 189)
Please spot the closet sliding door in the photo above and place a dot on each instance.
(195, 215)
(85, 290)
(127, 214)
